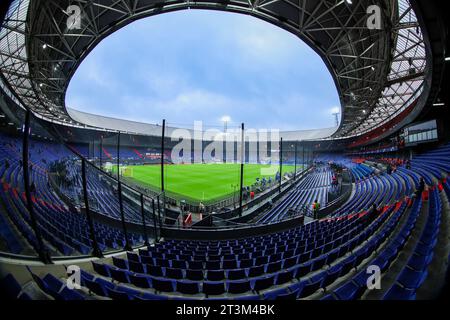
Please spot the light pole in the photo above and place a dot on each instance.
(295, 161)
(225, 120)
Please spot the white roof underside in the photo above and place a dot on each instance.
(140, 128)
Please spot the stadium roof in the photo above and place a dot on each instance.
(379, 73)
(139, 128)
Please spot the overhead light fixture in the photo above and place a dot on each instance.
(447, 59)
(349, 1)
(439, 104)
(225, 119)
(44, 46)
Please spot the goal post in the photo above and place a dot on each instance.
(126, 171)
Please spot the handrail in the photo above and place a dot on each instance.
(238, 226)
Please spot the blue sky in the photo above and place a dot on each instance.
(202, 65)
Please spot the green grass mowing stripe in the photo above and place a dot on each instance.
(199, 181)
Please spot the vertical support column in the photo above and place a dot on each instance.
(154, 221)
(162, 154)
(122, 217)
(101, 152)
(118, 157)
(163, 149)
(93, 149)
(295, 161)
(281, 165)
(159, 213)
(203, 155)
(96, 250)
(224, 151)
(43, 253)
(303, 156)
(144, 225)
(307, 157)
(242, 171)
(119, 190)
(258, 160)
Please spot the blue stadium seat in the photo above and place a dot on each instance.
(67, 294)
(263, 283)
(256, 271)
(236, 274)
(120, 263)
(397, 292)
(283, 277)
(120, 275)
(273, 294)
(137, 267)
(163, 285)
(155, 271)
(311, 287)
(239, 287)
(187, 287)
(141, 281)
(215, 275)
(194, 275)
(118, 295)
(10, 286)
(98, 286)
(101, 269)
(174, 273)
(348, 291)
(411, 279)
(146, 296)
(213, 288)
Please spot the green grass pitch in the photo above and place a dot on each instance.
(200, 182)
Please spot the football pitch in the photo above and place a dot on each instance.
(199, 182)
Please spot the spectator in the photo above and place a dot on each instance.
(334, 180)
(408, 164)
(32, 188)
(245, 194)
(373, 213)
(316, 208)
(201, 207)
(389, 169)
(421, 188)
(6, 168)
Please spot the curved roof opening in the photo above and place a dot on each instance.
(207, 66)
